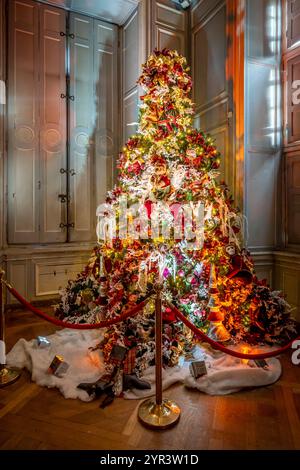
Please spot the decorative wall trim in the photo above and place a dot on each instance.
(220, 101)
(287, 278)
(129, 73)
(38, 271)
(2, 120)
(282, 271)
(201, 9)
(264, 265)
(27, 250)
(288, 259)
(168, 26)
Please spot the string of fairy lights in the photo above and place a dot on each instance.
(168, 162)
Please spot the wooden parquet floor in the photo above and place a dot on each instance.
(32, 417)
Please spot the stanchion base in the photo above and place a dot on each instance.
(8, 375)
(159, 416)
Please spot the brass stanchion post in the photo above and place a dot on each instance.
(158, 413)
(8, 375)
(158, 348)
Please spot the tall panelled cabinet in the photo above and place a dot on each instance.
(62, 139)
(36, 123)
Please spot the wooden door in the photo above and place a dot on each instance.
(23, 123)
(130, 74)
(81, 127)
(93, 120)
(52, 123)
(47, 118)
(107, 141)
(36, 123)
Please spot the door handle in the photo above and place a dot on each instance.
(64, 198)
(68, 97)
(63, 170)
(70, 35)
(71, 225)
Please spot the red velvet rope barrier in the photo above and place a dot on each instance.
(222, 348)
(76, 326)
(134, 311)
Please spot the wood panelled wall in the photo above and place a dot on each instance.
(287, 263)
(155, 24)
(291, 79)
(42, 61)
(130, 74)
(2, 126)
(168, 26)
(213, 82)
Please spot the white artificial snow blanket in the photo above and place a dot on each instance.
(225, 374)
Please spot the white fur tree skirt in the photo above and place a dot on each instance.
(225, 374)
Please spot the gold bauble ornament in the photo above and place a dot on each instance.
(87, 295)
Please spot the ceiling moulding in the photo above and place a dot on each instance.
(113, 11)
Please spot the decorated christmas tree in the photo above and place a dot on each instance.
(170, 219)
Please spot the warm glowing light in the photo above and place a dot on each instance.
(245, 350)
